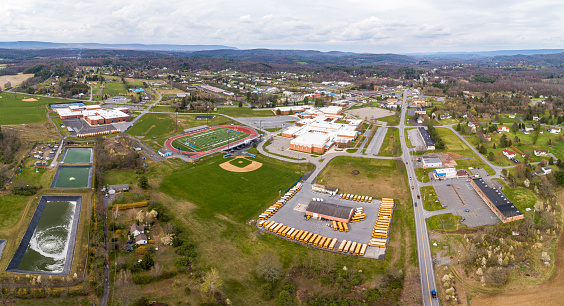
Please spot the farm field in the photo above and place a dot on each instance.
(208, 140)
(14, 80)
(116, 88)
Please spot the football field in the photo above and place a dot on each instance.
(208, 140)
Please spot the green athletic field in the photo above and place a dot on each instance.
(208, 140)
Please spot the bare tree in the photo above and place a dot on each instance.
(269, 267)
(156, 270)
(212, 283)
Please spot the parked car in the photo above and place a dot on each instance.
(466, 210)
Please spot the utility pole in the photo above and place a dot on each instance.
(176, 121)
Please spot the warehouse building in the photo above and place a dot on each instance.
(432, 162)
(497, 201)
(329, 211)
(427, 139)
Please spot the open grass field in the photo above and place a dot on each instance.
(504, 118)
(444, 222)
(208, 140)
(430, 199)
(239, 196)
(454, 145)
(213, 207)
(522, 198)
(16, 111)
(244, 112)
(423, 174)
(116, 88)
(392, 120)
(391, 144)
(379, 178)
(14, 80)
(162, 108)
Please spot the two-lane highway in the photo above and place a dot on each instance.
(426, 268)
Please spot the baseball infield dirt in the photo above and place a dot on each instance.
(254, 165)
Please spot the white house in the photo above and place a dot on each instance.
(502, 129)
(141, 239)
(509, 154)
(511, 116)
(135, 230)
(546, 170)
(540, 153)
(555, 130)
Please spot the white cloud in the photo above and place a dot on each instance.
(347, 25)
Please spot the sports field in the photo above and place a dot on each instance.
(208, 140)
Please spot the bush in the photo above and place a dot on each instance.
(147, 262)
(141, 279)
(142, 301)
(187, 290)
(186, 249)
(183, 262)
(266, 291)
(284, 299)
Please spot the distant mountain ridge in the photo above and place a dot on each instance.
(486, 53)
(151, 47)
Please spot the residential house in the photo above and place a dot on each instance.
(136, 230)
(540, 153)
(536, 118)
(488, 137)
(546, 170)
(509, 154)
(512, 116)
(555, 130)
(141, 239)
(502, 129)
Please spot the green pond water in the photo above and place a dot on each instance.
(78, 156)
(47, 249)
(73, 177)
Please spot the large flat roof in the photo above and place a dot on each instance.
(329, 209)
(429, 142)
(498, 199)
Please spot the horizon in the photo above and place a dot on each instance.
(360, 26)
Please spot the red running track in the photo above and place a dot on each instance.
(252, 133)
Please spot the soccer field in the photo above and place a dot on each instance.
(208, 140)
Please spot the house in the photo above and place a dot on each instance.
(136, 230)
(502, 129)
(536, 118)
(141, 239)
(540, 153)
(119, 187)
(529, 129)
(511, 116)
(555, 130)
(546, 170)
(488, 137)
(509, 154)
(472, 127)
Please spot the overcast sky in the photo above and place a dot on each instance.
(374, 26)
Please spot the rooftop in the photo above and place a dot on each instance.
(429, 142)
(498, 199)
(329, 209)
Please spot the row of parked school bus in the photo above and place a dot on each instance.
(285, 198)
(358, 215)
(381, 231)
(353, 197)
(313, 239)
(98, 133)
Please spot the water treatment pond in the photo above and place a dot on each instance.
(77, 156)
(48, 244)
(73, 177)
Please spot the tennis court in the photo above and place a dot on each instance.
(208, 140)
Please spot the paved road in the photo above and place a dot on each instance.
(426, 268)
(377, 140)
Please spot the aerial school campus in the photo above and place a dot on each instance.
(379, 207)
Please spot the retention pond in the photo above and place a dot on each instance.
(77, 156)
(73, 177)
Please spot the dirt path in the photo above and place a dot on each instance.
(550, 292)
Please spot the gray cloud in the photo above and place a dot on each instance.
(347, 25)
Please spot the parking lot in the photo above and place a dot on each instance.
(461, 199)
(79, 126)
(269, 122)
(415, 139)
(291, 215)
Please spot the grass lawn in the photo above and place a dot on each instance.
(423, 174)
(447, 222)
(504, 118)
(244, 112)
(430, 199)
(116, 88)
(240, 196)
(448, 121)
(16, 111)
(160, 108)
(408, 141)
(379, 178)
(116, 177)
(28, 175)
(391, 120)
(391, 142)
(455, 145)
(521, 197)
(11, 207)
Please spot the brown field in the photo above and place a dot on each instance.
(550, 292)
(129, 80)
(15, 80)
(170, 92)
(29, 100)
